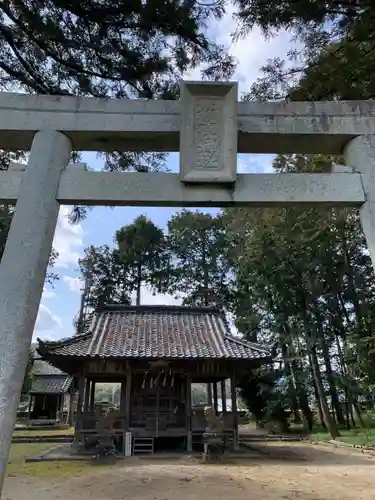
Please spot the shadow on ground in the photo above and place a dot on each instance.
(272, 472)
(308, 453)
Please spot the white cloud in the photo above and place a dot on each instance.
(231, 323)
(148, 298)
(48, 294)
(48, 326)
(254, 164)
(74, 284)
(253, 51)
(68, 240)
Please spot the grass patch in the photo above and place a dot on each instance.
(19, 451)
(56, 470)
(43, 432)
(357, 436)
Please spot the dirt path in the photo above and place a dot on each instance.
(285, 471)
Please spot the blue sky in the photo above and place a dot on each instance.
(60, 304)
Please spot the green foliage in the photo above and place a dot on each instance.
(297, 279)
(273, 16)
(369, 419)
(143, 255)
(300, 280)
(190, 260)
(307, 273)
(304, 282)
(334, 56)
(139, 258)
(357, 437)
(82, 322)
(107, 277)
(102, 48)
(200, 269)
(123, 49)
(265, 395)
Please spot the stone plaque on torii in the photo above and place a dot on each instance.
(209, 127)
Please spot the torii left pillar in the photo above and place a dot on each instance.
(359, 155)
(23, 270)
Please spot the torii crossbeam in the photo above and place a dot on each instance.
(209, 127)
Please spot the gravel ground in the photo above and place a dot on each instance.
(283, 471)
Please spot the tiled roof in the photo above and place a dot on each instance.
(41, 367)
(50, 384)
(47, 379)
(155, 332)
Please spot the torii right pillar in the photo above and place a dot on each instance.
(359, 155)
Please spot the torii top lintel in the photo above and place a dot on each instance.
(149, 125)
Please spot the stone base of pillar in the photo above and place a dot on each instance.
(236, 443)
(189, 442)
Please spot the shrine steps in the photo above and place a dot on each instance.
(143, 446)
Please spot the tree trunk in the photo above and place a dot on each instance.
(358, 415)
(336, 407)
(351, 282)
(139, 286)
(305, 407)
(205, 274)
(302, 397)
(343, 375)
(352, 415)
(351, 403)
(292, 388)
(317, 399)
(327, 418)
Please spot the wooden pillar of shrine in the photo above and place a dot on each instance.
(223, 396)
(87, 396)
(61, 407)
(209, 394)
(92, 396)
(189, 441)
(79, 415)
(122, 398)
(234, 411)
(70, 419)
(128, 385)
(31, 398)
(216, 408)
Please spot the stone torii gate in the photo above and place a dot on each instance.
(209, 127)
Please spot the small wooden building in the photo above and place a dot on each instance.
(156, 353)
(50, 394)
